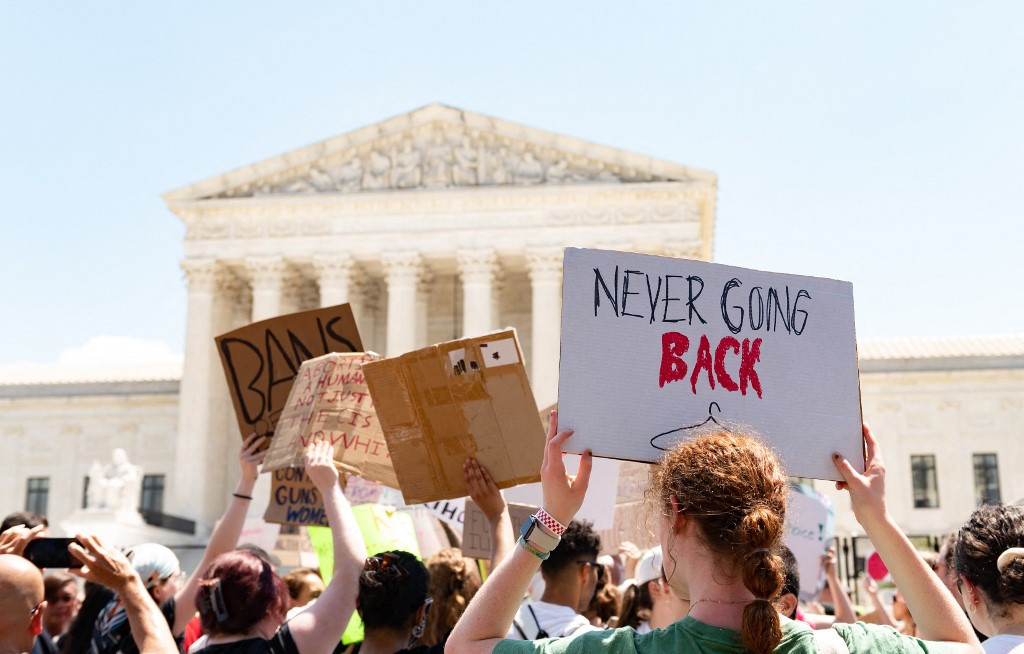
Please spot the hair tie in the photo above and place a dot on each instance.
(759, 550)
(1008, 557)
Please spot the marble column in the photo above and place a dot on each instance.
(334, 275)
(188, 492)
(402, 271)
(478, 269)
(544, 267)
(423, 288)
(266, 276)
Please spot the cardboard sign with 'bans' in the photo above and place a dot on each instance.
(262, 359)
(446, 402)
(330, 401)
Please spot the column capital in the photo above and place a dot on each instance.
(402, 267)
(265, 271)
(330, 267)
(202, 275)
(477, 265)
(544, 264)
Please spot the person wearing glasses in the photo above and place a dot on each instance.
(571, 574)
(23, 603)
(242, 600)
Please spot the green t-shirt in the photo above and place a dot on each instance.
(688, 635)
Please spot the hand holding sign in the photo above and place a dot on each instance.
(563, 495)
(250, 457)
(482, 490)
(867, 491)
(319, 463)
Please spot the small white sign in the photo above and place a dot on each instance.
(499, 353)
(810, 527)
(655, 350)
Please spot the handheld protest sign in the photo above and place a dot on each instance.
(655, 350)
(329, 401)
(446, 402)
(295, 500)
(261, 360)
(810, 528)
(476, 532)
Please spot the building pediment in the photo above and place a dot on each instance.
(438, 147)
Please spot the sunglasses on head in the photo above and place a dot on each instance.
(385, 563)
(600, 568)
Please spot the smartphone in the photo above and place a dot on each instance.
(51, 553)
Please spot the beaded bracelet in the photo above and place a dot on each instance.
(540, 554)
(554, 526)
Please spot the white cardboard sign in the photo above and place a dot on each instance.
(810, 528)
(656, 350)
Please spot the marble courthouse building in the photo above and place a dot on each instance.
(436, 224)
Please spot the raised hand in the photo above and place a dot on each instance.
(319, 462)
(563, 494)
(249, 459)
(103, 565)
(867, 491)
(482, 489)
(14, 540)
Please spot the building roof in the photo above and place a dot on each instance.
(963, 352)
(54, 379)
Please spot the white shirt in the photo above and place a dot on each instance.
(1002, 644)
(555, 619)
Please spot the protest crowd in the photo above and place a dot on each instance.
(720, 579)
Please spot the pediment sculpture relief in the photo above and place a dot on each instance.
(442, 157)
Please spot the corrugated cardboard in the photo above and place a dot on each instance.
(262, 359)
(655, 349)
(476, 533)
(329, 401)
(294, 500)
(446, 402)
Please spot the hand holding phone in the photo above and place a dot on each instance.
(51, 553)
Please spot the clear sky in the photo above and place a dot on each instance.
(876, 142)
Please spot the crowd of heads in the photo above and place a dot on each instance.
(719, 498)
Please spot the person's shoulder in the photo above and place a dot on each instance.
(863, 638)
(606, 641)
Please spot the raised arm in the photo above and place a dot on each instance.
(843, 606)
(485, 494)
(110, 568)
(936, 612)
(224, 537)
(885, 615)
(318, 629)
(490, 614)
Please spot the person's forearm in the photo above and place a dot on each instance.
(349, 548)
(501, 534)
(937, 614)
(843, 608)
(148, 625)
(490, 614)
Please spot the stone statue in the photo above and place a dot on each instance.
(529, 170)
(115, 486)
(407, 166)
(320, 180)
(559, 173)
(498, 166)
(464, 172)
(350, 175)
(376, 177)
(439, 154)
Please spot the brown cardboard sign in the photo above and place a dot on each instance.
(446, 402)
(294, 500)
(262, 359)
(476, 533)
(329, 401)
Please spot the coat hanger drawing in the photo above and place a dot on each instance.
(712, 408)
